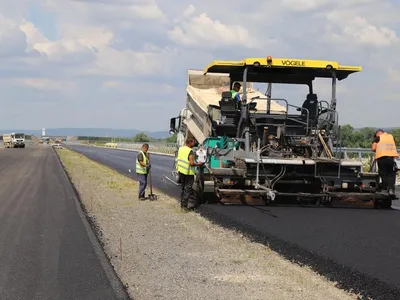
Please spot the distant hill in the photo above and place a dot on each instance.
(110, 132)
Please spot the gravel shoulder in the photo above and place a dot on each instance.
(161, 253)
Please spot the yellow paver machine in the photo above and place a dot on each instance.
(264, 149)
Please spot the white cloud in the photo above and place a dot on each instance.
(33, 34)
(112, 84)
(86, 39)
(113, 14)
(327, 5)
(125, 86)
(40, 84)
(394, 76)
(12, 39)
(355, 29)
(122, 58)
(91, 36)
(47, 84)
(114, 62)
(148, 11)
(305, 5)
(189, 11)
(202, 31)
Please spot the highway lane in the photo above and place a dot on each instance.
(123, 160)
(45, 248)
(360, 248)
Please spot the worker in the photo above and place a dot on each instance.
(142, 169)
(185, 166)
(384, 146)
(235, 91)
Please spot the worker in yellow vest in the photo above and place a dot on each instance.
(235, 91)
(185, 166)
(142, 169)
(384, 146)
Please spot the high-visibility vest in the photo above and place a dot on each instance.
(182, 161)
(139, 168)
(386, 146)
(234, 93)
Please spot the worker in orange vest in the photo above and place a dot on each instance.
(384, 146)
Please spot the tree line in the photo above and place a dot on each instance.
(141, 137)
(350, 137)
(362, 138)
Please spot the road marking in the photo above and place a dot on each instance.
(166, 177)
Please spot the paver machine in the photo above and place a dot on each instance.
(265, 150)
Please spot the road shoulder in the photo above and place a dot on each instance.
(117, 286)
(159, 252)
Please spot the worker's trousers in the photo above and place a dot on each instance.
(387, 171)
(142, 184)
(187, 186)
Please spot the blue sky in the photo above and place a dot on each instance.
(122, 63)
(44, 20)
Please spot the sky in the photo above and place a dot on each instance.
(123, 63)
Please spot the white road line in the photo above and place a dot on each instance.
(166, 177)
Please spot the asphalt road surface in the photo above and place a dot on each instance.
(359, 248)
(46, 251)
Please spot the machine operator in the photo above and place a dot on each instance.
(384, 146)
(235, 91)
(185, 166)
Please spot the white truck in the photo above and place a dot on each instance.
(14, 140)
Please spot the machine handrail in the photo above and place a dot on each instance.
(302, 109)
(323, 101)
(271, 99)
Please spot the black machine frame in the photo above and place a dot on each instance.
(280, 155)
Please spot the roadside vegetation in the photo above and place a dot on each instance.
(161, 253)
(139, 138)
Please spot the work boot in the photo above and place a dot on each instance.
(192, 208)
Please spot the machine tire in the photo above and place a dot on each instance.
(266, 201)
(199, 181)
(203, 197)
(200, 189)
(387, 204)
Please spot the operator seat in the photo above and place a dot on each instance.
(229, 108)
(229, 115)
(311, 104)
